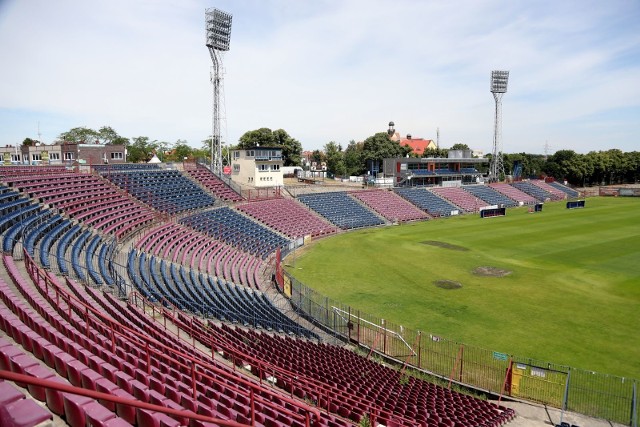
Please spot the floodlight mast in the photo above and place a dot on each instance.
(499, 80)
(218, 26)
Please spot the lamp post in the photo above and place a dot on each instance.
(499, 80)
(218, 28)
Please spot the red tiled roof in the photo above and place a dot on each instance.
(418, 145)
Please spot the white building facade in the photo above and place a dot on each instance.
(257, 167)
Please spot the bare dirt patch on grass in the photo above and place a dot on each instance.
(447, 284)
(491, 271)
(444, 245)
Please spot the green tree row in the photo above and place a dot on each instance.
(594, 168)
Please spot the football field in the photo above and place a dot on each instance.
(560, 286)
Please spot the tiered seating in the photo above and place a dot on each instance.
(166, 190)
(6, 170)
(513, 193)
(15, 409)
(15, 209)
(214, 184)
(14, 233)
(207, 295)
(556, 194)
(427, 201)
(456, 195)
(341, 210)
(489, 195)
(87, 198)
(237, 230)
(391, 206)
(128, 356)
(107, 169)
(288, 217)
(570, 192)
(359, 384)
(532, 190)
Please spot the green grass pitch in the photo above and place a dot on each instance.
(572, 296)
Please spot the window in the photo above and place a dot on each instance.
(236, 167)
(68, 156)
(36, 157)
(276, 167)
(15, 158)
(117, 156)
(249, 153)
(236, 155)
(263, 168)
(54, 156)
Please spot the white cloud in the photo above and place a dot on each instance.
(327, 70)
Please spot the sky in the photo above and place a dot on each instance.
(327, 70)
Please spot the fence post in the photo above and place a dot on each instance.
(565, 398)
(634, 405)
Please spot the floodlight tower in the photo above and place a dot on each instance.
(499, 80)
(218, 26)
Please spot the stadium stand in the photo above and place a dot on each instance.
(15, 232)
(556, 194)
(391, 206)
(207, 295)
(237, 230)
(30, 170)
(358, 385)
(211, 182)
(513, 193)
(89, 339)
(427, 201)
(288, 217)
(341, 210)
(143, 362)
(570, 192)
(166, 190)
(489, 195)
(456, 195)
(532, 190)
(85, 197)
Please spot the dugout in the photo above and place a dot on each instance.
(575, 204)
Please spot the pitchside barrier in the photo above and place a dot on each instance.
(574, 204)
(586, 392)
(492, 211)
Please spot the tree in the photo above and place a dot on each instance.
(379, 146)
(28, 142)
(353, 159)
(335, 158)
(460, 146)
(80, 135)
(181, 150)
(262, 137)
(107, 135)
(140, 150)
(318, 157)
(265, 137)
(291, 148)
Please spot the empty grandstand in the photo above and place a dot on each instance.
(288, 217)
(391, 206)
(428, 201)
(341, 210)
(166, 190)
(148, 335)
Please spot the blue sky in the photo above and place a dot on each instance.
(327, 70)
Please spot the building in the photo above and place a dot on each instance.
(418, 145)
(62, 154)
(257, 167)
(456, 169)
